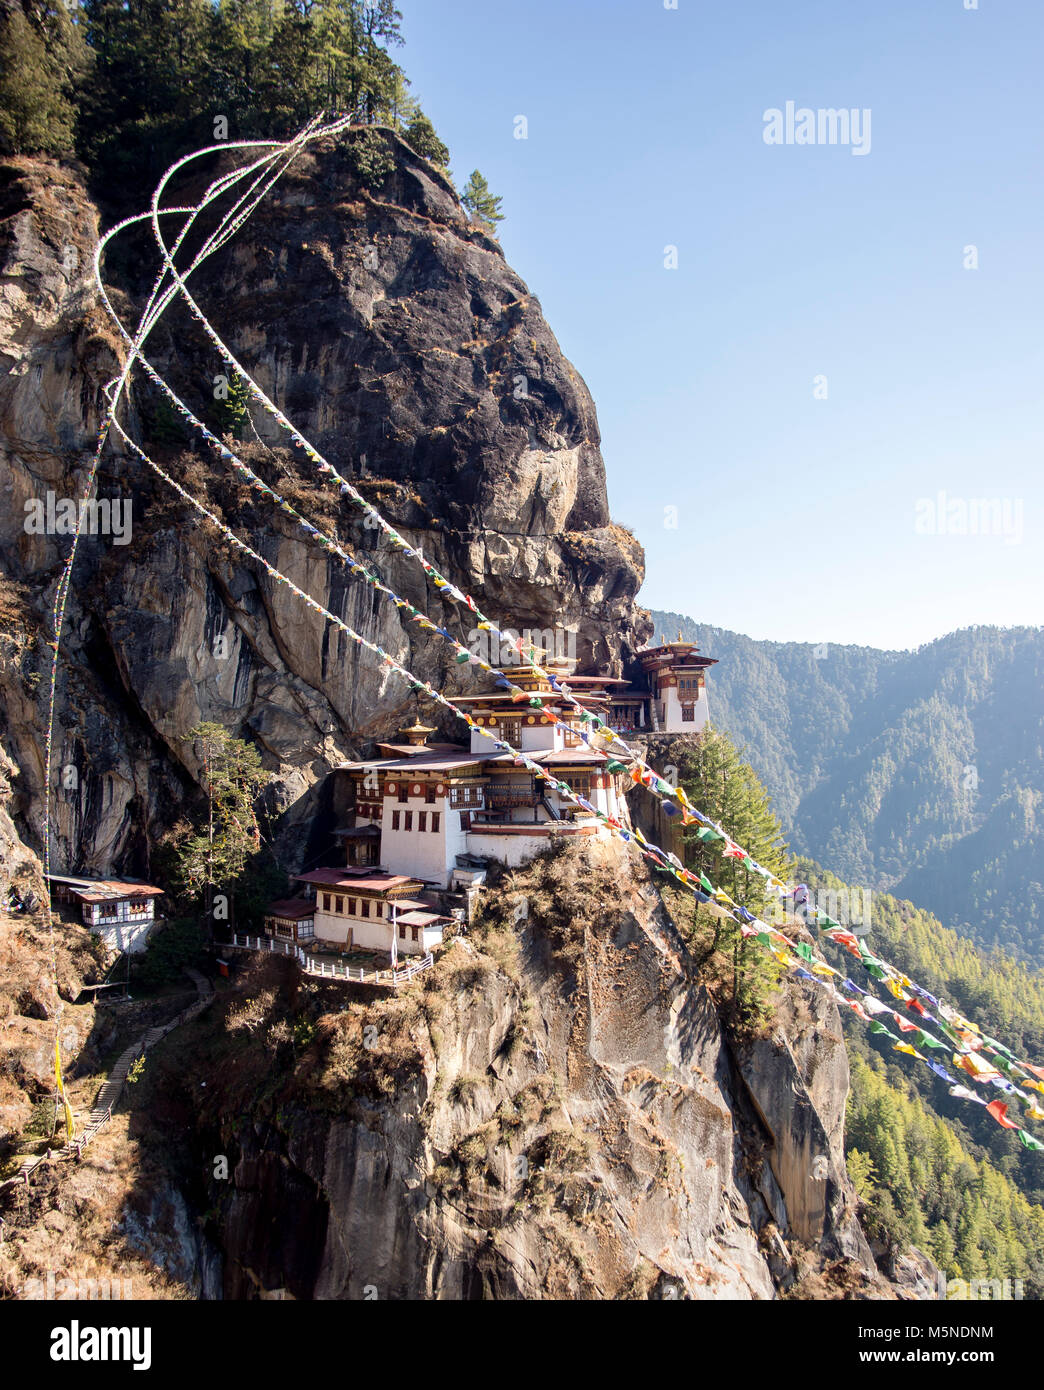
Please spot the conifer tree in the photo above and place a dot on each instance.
(725, 788)
(42, 59)
(480, 202)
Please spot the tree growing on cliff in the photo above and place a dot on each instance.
(725, 788)
(42, 58)
(480, 202)
(420, 136)
(215, 855)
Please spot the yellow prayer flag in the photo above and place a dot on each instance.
(61, 1090)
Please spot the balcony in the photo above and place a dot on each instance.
(511, 797)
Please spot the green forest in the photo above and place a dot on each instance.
(932, 1171)
(129, 85)
(936, 1171)
(919, 772)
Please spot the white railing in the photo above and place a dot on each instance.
(327, 969)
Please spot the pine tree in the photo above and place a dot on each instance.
(480, 202)
(420, 136)
(234, 407)
(726, 789)
(42, 60)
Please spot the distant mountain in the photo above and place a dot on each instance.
(921, 772)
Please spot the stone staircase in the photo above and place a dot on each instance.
(112, 1088)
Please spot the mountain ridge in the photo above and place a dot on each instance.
(918, 772)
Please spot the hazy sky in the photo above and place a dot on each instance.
(797, 517)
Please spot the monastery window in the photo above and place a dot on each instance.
(571, 738)
(688, 714)
(435, 821)
(422, 820)
(581, 785)
(429, 794)
(351, 907)
(326, 902)
(402, 932)
(395, 820)
(364, 908)
(415, 930)
(339, 905)
(407, 817)
(511, 731)
(404, 793)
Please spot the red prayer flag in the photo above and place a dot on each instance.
(999, 1111)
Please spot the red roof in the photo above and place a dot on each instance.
(294, 908)
(371, 882)
(96, 890)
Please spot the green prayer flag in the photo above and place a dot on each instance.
(706, 884)
(804, 951)
(876, 1027)
(1029, 1141)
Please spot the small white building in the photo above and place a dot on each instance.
(366, 909)
(120, 911)
(677, 687)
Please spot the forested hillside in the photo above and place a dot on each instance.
(937, 1171)
(921, 772)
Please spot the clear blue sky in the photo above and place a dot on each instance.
(797, 517)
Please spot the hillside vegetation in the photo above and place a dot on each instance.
(918, 772)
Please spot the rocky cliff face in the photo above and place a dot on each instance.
(556, 1109)
(395, 336)
(557, 1112)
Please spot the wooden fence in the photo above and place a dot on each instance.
(331, 969)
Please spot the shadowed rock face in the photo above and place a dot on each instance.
(394, 335)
